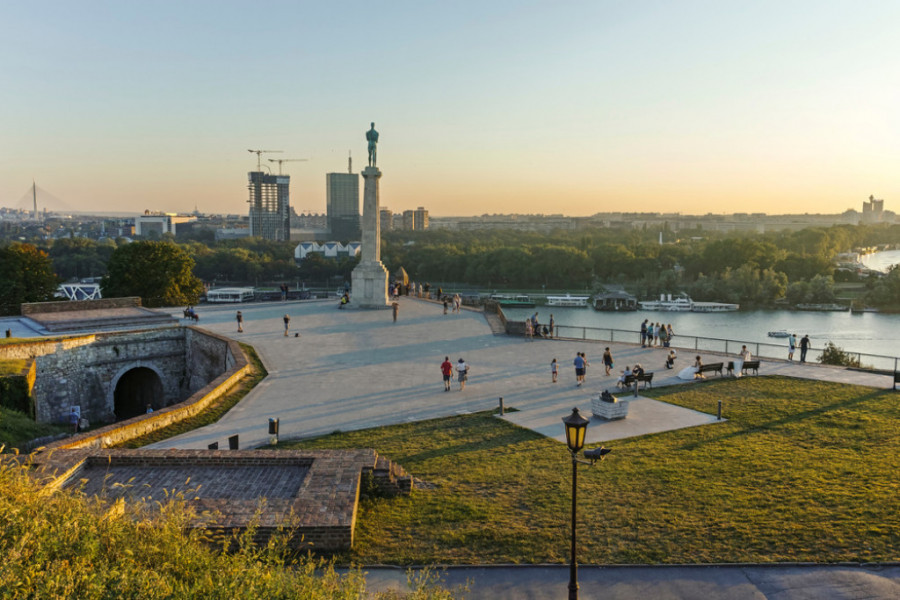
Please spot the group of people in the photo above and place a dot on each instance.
(462, 373)
(455, 301)
(657, 334)
(534, 328)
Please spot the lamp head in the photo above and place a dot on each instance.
(576, 427)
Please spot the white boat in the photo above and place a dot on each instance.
(567, 300)
(680, 304)
(781, 333)
(230, 295)
(707, 307)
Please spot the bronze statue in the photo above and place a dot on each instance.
(372, 138)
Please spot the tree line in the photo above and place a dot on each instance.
(753, 269)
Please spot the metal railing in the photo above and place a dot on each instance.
(695, 343)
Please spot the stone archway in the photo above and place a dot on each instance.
(134, 390)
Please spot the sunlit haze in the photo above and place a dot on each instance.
(482, 107)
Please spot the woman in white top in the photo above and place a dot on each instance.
(462, 373)
(739, 363)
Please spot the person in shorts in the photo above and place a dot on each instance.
(462, 373)
(447, 371)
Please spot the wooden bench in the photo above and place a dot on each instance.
(711, 368)
(647, 378)
(748, 365)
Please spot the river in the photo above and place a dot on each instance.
(869, 333)
(882, 261)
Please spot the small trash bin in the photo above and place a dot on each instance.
(273, 426)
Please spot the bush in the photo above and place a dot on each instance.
(14, 393)
(835, 355)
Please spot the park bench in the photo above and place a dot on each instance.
(748, 366)
(711, 368)
(647, 378)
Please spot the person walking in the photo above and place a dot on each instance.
(447, 372)
(287, 324)
(579, 369)
(804, 346)
(792, 345)
(607, 360)
(462, 373)
(554, 370)
(240, 321)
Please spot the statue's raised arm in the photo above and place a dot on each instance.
(372, 138)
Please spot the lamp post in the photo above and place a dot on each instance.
(576, 428)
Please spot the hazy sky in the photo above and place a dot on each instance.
(483, 107)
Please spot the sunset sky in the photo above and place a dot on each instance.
(482, 107)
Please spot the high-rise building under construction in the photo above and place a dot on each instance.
(270, 206)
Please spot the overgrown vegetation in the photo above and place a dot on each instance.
(835, 355)
(64, 545)
(215, 411)
(800, 471)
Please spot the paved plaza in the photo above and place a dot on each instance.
(353, 369)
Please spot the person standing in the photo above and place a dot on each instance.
(240, 321)
(552, 323)
(447, 372)
(644, 333)
(579, 369)
(656, 334)
(462, 373)
(792, 345)
(607, 360)
(804, 346)
(529, 330)
(650, 335)
(554, 369)
(670, 333)
(744, 356)
(287, 323)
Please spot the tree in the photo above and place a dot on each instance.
(26, 275)
(158, 272)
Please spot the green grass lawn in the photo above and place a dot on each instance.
(18, 428)
(801, 471)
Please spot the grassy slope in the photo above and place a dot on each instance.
(17, 428)
(801, 471)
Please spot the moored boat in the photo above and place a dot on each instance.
(513, 301)
(781, 333)
(567, 300)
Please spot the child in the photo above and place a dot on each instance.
(554, 370)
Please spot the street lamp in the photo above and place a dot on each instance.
(576, 428)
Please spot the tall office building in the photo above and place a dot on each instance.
(270, 206)
(342, 190)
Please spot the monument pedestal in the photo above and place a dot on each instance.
(370, 278)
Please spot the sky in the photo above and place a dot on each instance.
(562, 107)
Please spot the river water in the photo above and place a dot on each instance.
(882, 261)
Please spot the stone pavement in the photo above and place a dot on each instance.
(739, 582)
(353, 369)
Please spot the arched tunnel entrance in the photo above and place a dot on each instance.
(135, 390)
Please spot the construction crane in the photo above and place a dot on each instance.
(284, 160)
(258, 152)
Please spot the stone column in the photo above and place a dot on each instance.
(370, 277)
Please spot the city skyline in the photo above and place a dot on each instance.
(574, 108)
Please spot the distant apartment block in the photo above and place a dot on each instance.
(386, 219)
(159, 222)
(342, 196)
(270, 206)
(873, 210)
(416, 220)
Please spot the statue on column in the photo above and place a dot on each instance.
(372, 138)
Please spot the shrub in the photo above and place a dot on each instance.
(835, 355)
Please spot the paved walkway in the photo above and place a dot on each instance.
(664, 583)
(353, 369)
